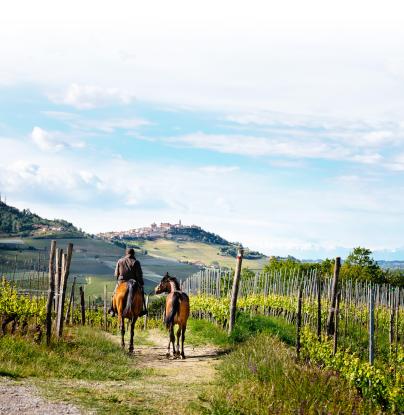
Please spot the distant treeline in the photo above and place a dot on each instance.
(359, 265)
(25, 223)
(232, 251)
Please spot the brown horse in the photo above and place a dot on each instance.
(177, 312)
(128, 301)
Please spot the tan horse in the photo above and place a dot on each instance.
(177, 312)
(128, 301)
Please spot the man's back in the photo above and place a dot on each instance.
(129, 267)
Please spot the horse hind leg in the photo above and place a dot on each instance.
(122, 325)
(177, 352)
(182, 341)
(172, 340)
(132, 331)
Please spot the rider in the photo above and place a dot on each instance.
(128, 268)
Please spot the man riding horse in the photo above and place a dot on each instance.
(128, 268)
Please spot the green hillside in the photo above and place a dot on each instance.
(195, 252)
(15, 222)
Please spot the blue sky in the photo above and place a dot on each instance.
(282, 130)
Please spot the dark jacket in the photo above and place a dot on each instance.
(128, 268)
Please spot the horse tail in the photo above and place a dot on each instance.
(129, 297)
(175, 306)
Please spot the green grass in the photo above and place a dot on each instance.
(247, 327)
(85, 353)
(262, 377)
(201, 332)
(195, 251)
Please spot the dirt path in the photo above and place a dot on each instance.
(173, 383)
(167, 386)
(16, 398)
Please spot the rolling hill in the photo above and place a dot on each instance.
(187, 244)
(15, 222)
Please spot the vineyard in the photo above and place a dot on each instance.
(364, 341)
(353, 328)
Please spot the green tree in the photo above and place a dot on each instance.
(360, 265)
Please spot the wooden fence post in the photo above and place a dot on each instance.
(299, 320)
(59, 253)
(319, 308)
(145, 317)
(83, 306)
(336, 318)
(51, 292)
(71, 301)
(66, 260)
(234, 292)
(334, 290)
(371, 326)
(105, 307)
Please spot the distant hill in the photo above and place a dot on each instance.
(15, 222)
(184, 243)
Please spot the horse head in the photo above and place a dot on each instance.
(165, 285)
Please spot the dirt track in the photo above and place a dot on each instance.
(168, 386)
(17, 398)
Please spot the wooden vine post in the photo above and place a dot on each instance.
(59, 254)
(334, 292)
(299, 320)
(318, 308)
(83, 306)
(70, 308)
(371, 325)
(66, 260)
(145, 317)
(51, 292)
(234, 293)
(105, 307)
(336, 325)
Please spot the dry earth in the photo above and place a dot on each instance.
(17, 398)
(168, 386)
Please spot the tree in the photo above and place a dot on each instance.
(395, 277)
(360, 265)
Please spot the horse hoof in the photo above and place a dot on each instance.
(167, 355)
(183, 356)
(131, 351)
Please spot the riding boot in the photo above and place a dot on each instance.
(112, 310)
(144, 312)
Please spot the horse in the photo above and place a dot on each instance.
(128, 301)
(176, 312)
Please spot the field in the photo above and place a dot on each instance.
(93, 261)
(255, 370)
(195, 252)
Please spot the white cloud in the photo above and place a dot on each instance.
(107, 125)
(52, 140)
(89, 97)
(285, 56)
(219, 169)
(291, 147)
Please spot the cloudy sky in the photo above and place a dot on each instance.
(276, 124)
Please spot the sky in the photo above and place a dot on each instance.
(276, 124)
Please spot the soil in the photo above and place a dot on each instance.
(168, 386)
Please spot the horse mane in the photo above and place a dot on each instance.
(176, 283)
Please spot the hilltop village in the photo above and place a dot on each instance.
(164, 230)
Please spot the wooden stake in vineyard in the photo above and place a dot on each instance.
(70, 308)
(234, 293)
(83, 307)
(51, 292)
(334, 291)
(299, 320)
(66, 260)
